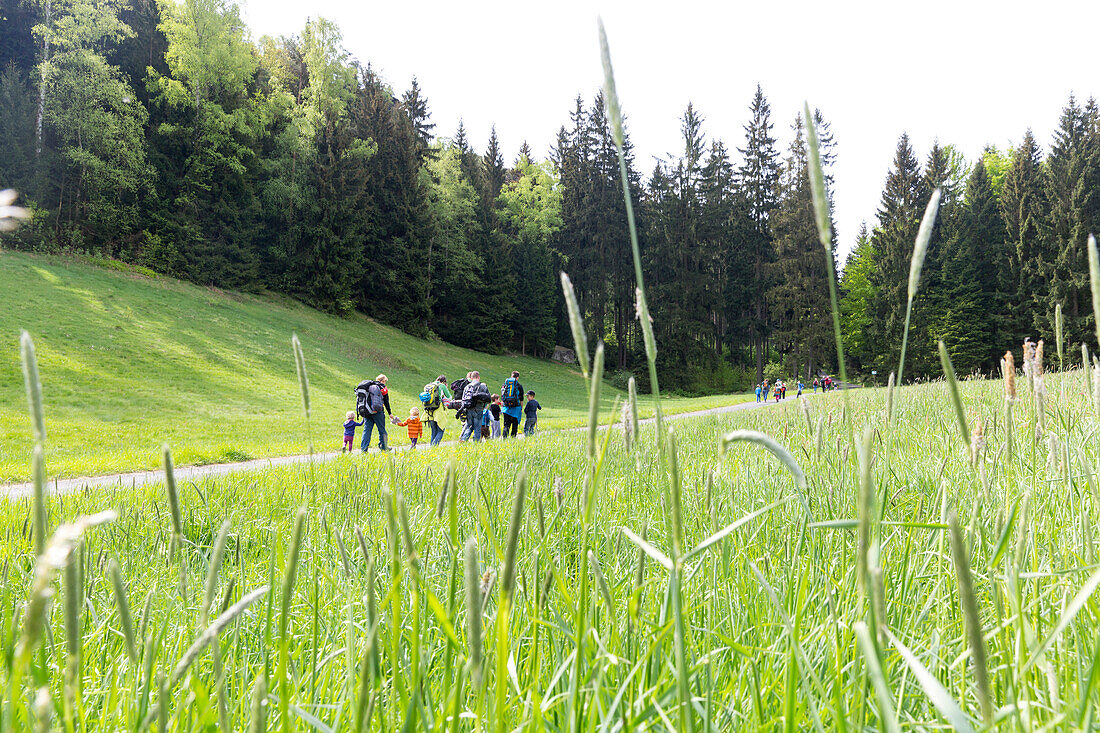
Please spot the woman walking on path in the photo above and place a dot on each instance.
(444, 394)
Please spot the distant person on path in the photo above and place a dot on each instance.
(815, 385)
(511, 393)
(375, 416)
(474, 398)
(767, 389)
(531, 411)
(437, 392)
(758, 390)
(800, 386)
(495, 408)
(414, 426)
(349, 432)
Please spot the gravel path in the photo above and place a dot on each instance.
(196, 473)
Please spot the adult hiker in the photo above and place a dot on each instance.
(372, 403)
(511, 393)
(474, 398)
(436, 393)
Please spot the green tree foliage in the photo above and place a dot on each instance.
(759, 179)
(798, 298)
(902, 206)
(1025, 208)
(1074, 194)
(857, 295)
(530, 216)
(160, 133)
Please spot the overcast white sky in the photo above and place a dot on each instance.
(964, 72)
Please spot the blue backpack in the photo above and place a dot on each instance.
(510, 392)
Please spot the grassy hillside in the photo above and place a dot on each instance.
(130, 362)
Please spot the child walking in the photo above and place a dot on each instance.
(416, 428)
(349, 432)
(530, 413)
(495, 408)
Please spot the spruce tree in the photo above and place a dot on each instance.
(1074, 194)
(1026, 210)
(758, 180)
(902, 206)
(798, 299)
(971, 323)
(416, 107)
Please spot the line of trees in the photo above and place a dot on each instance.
(159, 133)
(1009, 247)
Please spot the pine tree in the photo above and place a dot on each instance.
(416, 107)
(798, 299)
(899, 215)
(394, 284)
(1073, 181)
(972, 265)
(758, 179)
(1025, 208)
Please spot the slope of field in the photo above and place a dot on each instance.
(130, 362)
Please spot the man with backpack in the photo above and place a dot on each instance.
(511, 393)
(370, 403)
(432, 399)
(474, 399)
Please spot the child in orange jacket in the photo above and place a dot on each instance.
(416, 428)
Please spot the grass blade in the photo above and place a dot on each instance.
(936, 692)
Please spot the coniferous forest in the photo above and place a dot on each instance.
(160, 134)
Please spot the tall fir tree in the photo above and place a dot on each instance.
(758, 179)
(1074, 195)
(1026, 210)
(902, 205)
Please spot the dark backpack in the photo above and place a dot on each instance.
(480, 397)
(458, 387)
(362, 398)
(511, 392)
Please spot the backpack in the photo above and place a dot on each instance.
(510, 392)
(485, 431)
(431, 397)
(362, 398)
(480, 398)
(457, 388)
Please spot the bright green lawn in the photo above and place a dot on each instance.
(130, 362)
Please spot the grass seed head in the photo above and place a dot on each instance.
(33, 385)
(1094, 283)
(1008, 369)
(300, 368)
(473, 612)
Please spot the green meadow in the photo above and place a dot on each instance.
(130, 362)
(833, 605)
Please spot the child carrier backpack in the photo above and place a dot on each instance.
(431, 397)
(510, 392)
(362, 398)
(457, 388)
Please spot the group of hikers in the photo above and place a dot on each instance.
(483, 414)
(778, 390)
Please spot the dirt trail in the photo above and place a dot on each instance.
(195, 473)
